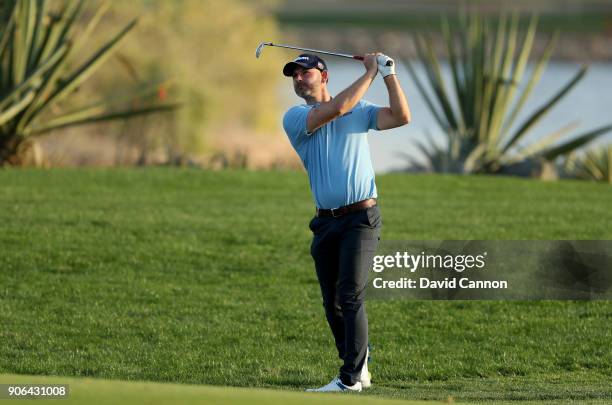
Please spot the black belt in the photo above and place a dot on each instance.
(338, 212)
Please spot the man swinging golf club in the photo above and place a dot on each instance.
(329, 135)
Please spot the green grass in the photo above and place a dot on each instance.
(95, 391)
(199, 277)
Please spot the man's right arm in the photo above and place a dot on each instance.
(345, 100)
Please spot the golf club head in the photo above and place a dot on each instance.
(259, 49)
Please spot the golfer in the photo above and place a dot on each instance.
(330, 136)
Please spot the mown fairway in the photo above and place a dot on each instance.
(98, 392)
(205, 278)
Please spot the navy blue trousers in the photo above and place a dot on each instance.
(343, 249)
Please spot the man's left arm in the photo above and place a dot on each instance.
(398, 112)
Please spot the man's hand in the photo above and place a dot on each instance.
(386, 65)
(371, 64)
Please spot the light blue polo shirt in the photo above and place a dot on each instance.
(336, 156)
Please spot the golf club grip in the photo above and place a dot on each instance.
(389, 62)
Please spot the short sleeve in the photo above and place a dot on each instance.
(294, 123)
(370, 112)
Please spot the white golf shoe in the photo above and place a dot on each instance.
(366, 378)
(337, 386)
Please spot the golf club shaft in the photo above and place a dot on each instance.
(344, 55)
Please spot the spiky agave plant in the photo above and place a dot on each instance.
(479, 114)
(595, 164)
(36, 72)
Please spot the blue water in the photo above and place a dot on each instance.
(589, 104)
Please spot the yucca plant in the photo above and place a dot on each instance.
(38, 70)
(478, 110)
(595, 164)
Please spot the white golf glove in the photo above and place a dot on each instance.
(386, 65)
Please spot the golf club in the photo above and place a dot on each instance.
(259, 50)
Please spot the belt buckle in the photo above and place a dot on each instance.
(333, 214)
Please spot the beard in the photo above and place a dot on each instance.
(302, 91)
